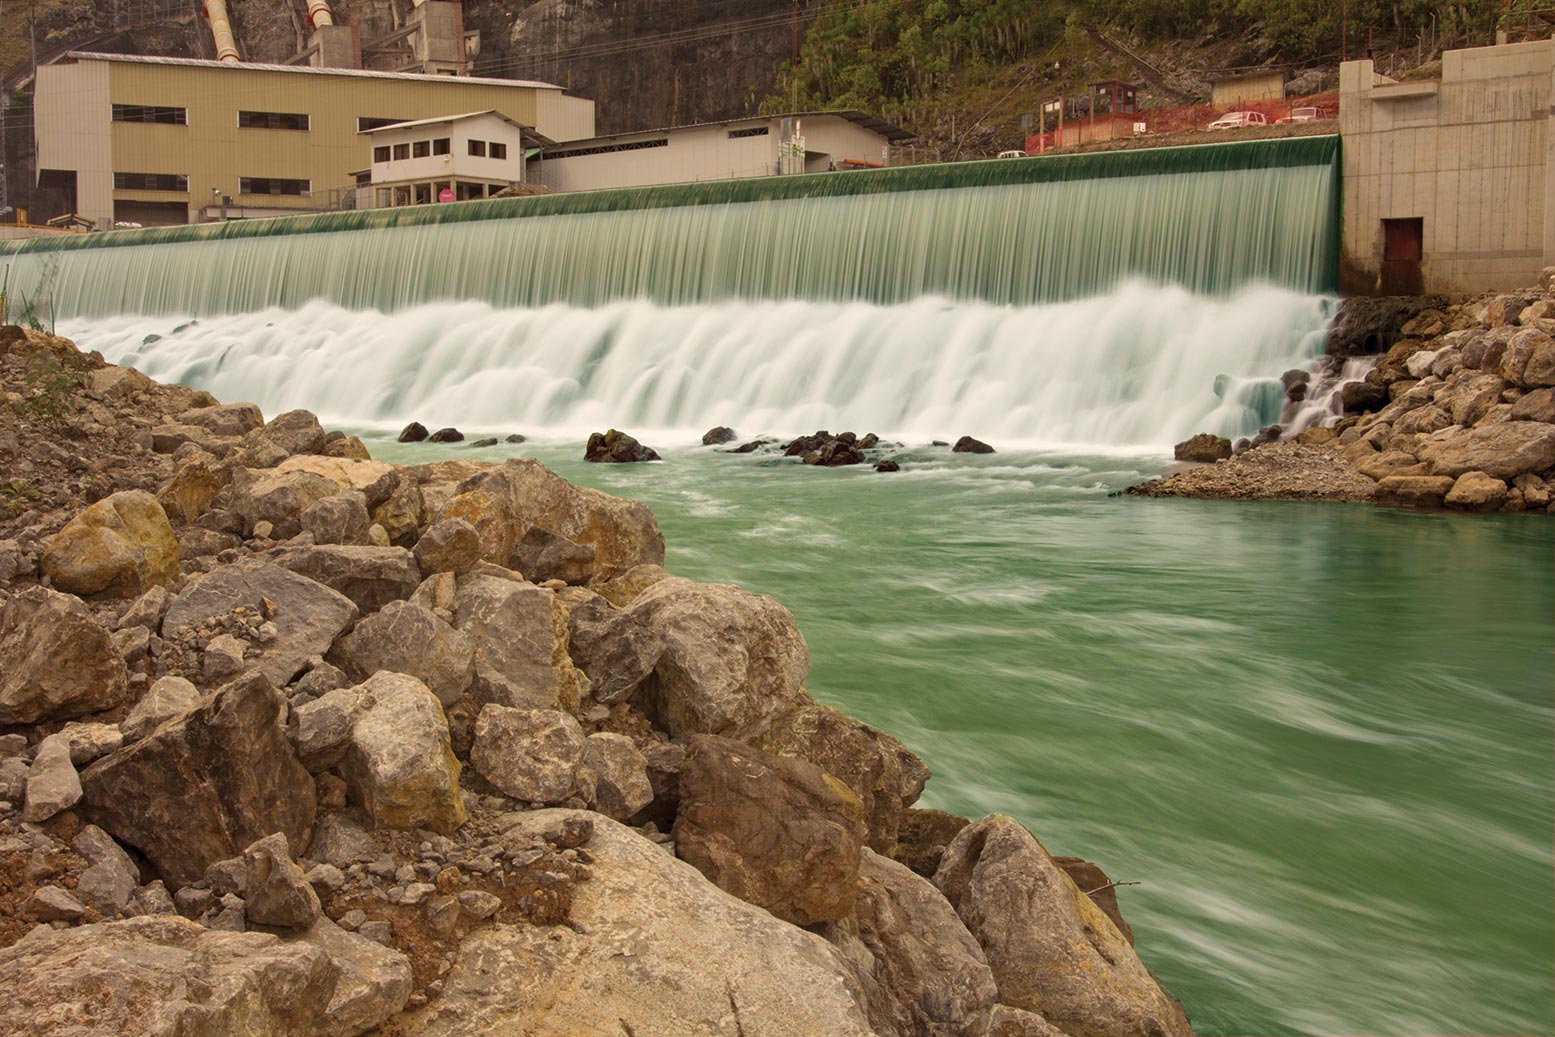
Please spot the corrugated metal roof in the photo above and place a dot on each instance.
(148, 59)
(529, 133)
(853, 115)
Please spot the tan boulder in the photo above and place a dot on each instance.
(1504, 451)
(374, 479)
(121, 546)
(56, 662)
(1476, 491)
(189, 493)
(1412, 491)
(1051, 949)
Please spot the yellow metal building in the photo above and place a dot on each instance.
(153, 140)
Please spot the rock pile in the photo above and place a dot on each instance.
(1457, 413)
(318, 745)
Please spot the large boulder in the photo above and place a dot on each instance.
(1052, 950)
(777, 832)
(341, 519)
(404, 637)
(168, 697)
(308, 616)
(163, 976)
(194, 487)
(505, 502)
(1503, 451)
(533, 755)
(885, 776)
(1203, 448)
(295, 432)
(276, 497)
(921, 971)
(616, 447)
(228, 419)
(52, 782)
(702, 658)
(519, 635)
(621, 783)
(370, 576)
(205, 784)
(653, 949)
(121, 546)
(1412, 491)
(274, 891)
(373, 985)
(55, 661)
(1476, 491)
(396, 758)
(110, 879)
(450, 546)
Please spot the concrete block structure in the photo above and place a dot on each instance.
(804, 142)
(158, 141)
(1232, 88)
(458, 158)
(1448, 183)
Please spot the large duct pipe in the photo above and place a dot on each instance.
(221, 30)
(318, 13)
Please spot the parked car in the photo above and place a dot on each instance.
(1012, 154)
(1232, 120)
(1303, 115)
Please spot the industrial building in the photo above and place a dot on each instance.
(458, 158)
(801, 142)
(1448, 183)
(151, 140)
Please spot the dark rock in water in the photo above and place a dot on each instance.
(888, 466)
(807, 444)
(751, 447)
(1203, 447)
(446, 435)
(835, 454)
(719, 436)
(1268, 434)
(483, 442)
(516, 438)
(1371, 324)
(615, 447)
(869, 442)
(968, 445)
(1360, 397)
(1241, 447)
(1296, 383)
(938, 442)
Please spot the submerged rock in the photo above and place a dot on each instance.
(888, 466)
(614, 447)
(446, 435)
(968, 445)
(415, 432)
(719, 435)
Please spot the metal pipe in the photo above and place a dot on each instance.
(318, 13)
(221, 30)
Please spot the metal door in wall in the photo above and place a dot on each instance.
(1403, 246)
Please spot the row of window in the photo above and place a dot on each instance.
(179, 182)
(247, 120)
(606, 149)
(438, 146)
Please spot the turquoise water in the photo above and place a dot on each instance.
(1320, 737)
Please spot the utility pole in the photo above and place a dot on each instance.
(1344, 31)
(794, 32)
(5, 150)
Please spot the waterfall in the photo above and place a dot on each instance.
(1017, 232)
(1141, 367)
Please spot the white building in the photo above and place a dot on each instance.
(804, 142)
(455, 158)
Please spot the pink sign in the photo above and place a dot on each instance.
(445, 195)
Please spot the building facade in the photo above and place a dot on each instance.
(806, 142)
(128, 139)
(458, 158)
(1448, 183)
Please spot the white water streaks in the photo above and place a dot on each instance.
(1140, 368)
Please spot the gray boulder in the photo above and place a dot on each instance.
(341, 519)
(52, 782)
(1502, 451)
(56, 662)
(373, 985)
(229, 419)
(621, 783)
(341, 842)
(278, 498)
(110, 879)
(169, 697)
(162, 976)
(308, 616)
(295, 432)
(519, 635)
(1052, 950)
(533, 755)
(450, 546)
(653, 949)
(90, 741)
(205, 784)
(274, 891)
(406, 638)
(370, 576)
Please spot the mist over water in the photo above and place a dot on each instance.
(1139, 368)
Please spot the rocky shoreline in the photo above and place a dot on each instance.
(294, 742)
(1457, 413)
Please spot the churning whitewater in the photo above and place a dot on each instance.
(1140, 368)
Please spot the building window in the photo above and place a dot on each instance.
(442, 146)
(754, 131)
(381, 153)
(421, 149)
(150, 182)
(273, 185)
(401, 152)
(150, 113)
(499, 150)
(272, 121)
(385, 197)
(606, 149)
(368, 122)
(478, 147)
